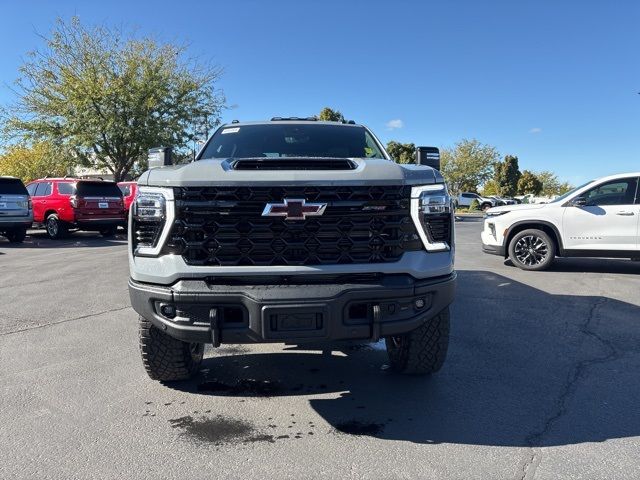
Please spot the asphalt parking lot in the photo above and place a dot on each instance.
(541, 382)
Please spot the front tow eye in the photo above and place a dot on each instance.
(377, 318)
(215, 327)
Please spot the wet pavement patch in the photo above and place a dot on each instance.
(247, 386)
(214, 430)
(260, 438)
(355, 427)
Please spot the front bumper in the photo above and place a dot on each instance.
(491, 244)
(284, 312)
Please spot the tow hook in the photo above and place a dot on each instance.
(215, 327)
(377, 318)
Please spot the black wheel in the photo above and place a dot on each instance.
(423, 350)
(485, 206)
(109, 231)
(166, 358)
(17, 236)
(56, 229)
(532, 250)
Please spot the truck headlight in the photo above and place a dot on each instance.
(432, 214)
(152, 214)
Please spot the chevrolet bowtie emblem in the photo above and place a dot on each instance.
(294, 209)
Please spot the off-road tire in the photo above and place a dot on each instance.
(56, 228)
(17, 236)
(165, 358)
(421, 351)
(532, 233)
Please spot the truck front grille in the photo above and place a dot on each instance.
(224, 226)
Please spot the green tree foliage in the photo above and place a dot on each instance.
(564, 188)
(31, 162)
(474, 206)
(329, 115)
(110, 96)
(467, 165)
(507, 174)
(551, 186)
(402, 152)
(529, 183)
(490, 188)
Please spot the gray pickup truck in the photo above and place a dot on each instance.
(294, 231)
(16, 212)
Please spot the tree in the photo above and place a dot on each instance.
(31, 162)
(467, 165)
(529, 183)
(490, 188)
(402, 152)
(564, 188)
(329, 115)
(507, 174)
(551, 186)
(109, 96)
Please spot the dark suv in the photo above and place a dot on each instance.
(61, 204)
(16, 215)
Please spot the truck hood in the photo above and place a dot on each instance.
(219, 172)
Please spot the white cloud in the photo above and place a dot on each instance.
(535, 130)
(394, 124)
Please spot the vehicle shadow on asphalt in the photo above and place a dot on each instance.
(525, 368)
(73, 240)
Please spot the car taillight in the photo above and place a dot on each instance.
(74, 201)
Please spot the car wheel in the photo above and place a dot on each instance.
(17, 236)
(421, 351)
(109, 232)
(56, 229)
(485, 206)
(532, 250)
(166, 358)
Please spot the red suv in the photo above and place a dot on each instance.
(62, 204)
(129, 190)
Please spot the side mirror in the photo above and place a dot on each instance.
(429, 156)
(578, 202)
(160, 157)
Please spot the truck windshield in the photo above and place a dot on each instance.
(280, 140)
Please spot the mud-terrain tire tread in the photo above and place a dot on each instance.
(165, 358)
(423, 350)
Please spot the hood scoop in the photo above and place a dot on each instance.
(301, 163)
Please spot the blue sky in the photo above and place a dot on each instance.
(555, 83)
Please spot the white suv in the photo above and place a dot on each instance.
(465, 199)
(597, 219)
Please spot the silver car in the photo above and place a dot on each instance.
(16, 212)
